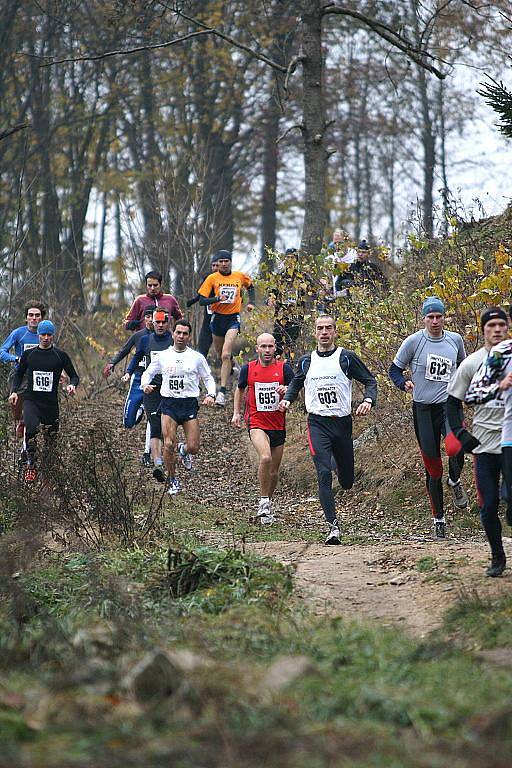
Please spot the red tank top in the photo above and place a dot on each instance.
(262, 399)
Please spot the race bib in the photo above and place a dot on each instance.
(42, 381)
(227, 294)
(176, 383)
(28, 346)
(438, 368)
(327, 396)
(267, 398)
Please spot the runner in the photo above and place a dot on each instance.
(327, 375)
(153, 298)
(181, 369)
(42, 366)
(22, 338)
(226, 304)
(149, 347)
(485, 442)
(133, 408)
(205, 335)
(265, 380)
(432, 355)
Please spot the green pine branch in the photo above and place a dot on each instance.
(500, 99)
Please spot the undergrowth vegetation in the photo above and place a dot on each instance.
(74, 627)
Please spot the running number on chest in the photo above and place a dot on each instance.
(439, 368)
(267, 398)
(42, 381)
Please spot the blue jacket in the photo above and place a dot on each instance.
(21, 339)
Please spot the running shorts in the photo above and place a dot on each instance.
(221, 324)
(180, 409)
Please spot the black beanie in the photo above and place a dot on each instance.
(492, 313)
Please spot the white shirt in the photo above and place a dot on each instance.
(181, 373)
(328, 390)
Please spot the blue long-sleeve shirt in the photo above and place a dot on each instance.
(20, 340)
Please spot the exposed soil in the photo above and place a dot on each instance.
(385, 581)
(389, 569)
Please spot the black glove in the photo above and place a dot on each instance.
(132, 325)
(469, 441)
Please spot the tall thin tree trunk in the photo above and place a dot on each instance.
(313, 128)
(100, 262)
(270, 168)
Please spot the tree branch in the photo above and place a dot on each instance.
(298, 126)
(232, 41)
(390, 35)
(138, 49)
(14, 129)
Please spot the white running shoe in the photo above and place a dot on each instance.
(440, 527)
(174, 487)
(334, 535)
(186, 458)
(264, 515)
(220, 399)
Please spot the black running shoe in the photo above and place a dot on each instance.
(146, 460)
(497, 566)
(440, 528)
(159, 474)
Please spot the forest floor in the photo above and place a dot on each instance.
(389, 566)
(213, 642)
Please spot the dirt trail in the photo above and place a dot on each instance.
(409, 583)
(407, 579)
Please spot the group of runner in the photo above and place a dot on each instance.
(165, 375)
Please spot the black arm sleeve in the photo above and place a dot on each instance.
(357, 370)
(204, 301)
(19, 372)
(454, 413)
(243, 379)
(296, 384)
(288, 373)
(396, 375)
(191, 302)
(74, 379)
(252, 294)
(125, 350)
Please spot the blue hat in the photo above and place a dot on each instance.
(46, 326)
(363, 246)
(432, 304)
(223, 255)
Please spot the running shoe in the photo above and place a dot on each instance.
(460, 497)
(186, 458)
(159, 474)
(497, 565)
(29, 474)
(174, 486)
(235, 371)
(220, 399)
(334, 535)
(264, 515)
(440, 528)
(146, 460)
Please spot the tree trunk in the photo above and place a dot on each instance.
(270, 168)
(100, 262)
(313, 127)
(428, 138)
